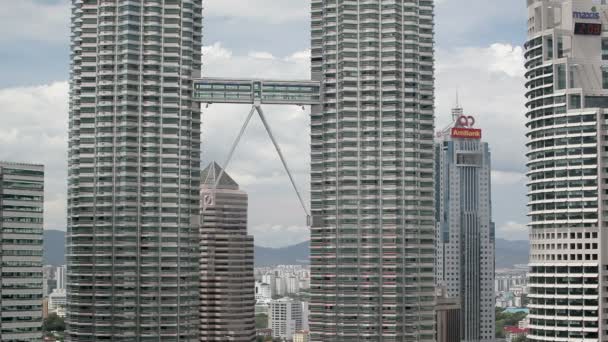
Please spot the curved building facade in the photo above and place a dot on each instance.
(372, 234)
(567, 99)
(134, 169)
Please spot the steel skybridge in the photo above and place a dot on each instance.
(257, 92)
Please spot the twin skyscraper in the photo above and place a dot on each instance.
(134, 214)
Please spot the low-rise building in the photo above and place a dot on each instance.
(301, 336)
(286, 317)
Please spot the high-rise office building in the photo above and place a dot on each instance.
(465, 231)
(133, 171)
(21, 214)
(566, 54)
(227, 285)
(372, 234)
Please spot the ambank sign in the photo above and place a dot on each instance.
(464, 128)
(586, 15)
(466, 133)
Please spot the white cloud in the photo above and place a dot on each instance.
(490, 84)
(33, 128)
(261, 55)
(277, 236)
(507, 178)
(468, 22)
(35, 20)
(264, 11)
(512, 231)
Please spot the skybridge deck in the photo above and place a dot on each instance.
(251, 91)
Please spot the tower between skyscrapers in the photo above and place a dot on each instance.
(465, 231)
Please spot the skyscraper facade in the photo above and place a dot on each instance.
(465, 231)
(21, 216)
(227, 285)
(567, 99)
(372, 234)
(133, 171)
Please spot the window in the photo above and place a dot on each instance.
(561, 76)
(575, 101)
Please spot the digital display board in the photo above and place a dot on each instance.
(588, 29)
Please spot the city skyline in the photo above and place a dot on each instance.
(227, 56)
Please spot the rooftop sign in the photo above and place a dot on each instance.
(586, 15)
(464, 130)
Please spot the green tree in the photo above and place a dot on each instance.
(520, 339)
(53, 323)
(261, 321)
(505, 319)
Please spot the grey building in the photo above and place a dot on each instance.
(133, 171)
(227, 284)
(373, 227)
(465, 231)
(566, 56)
(21, 218)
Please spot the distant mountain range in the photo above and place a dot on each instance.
(54, 247)
(508, 253)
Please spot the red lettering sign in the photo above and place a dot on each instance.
(466, 133)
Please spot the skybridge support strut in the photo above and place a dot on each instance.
(257, 107)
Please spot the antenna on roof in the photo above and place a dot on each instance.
(457, 111)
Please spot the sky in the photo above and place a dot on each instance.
(478, 54)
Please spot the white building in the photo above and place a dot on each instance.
(133, 171)
(286, 316)
(263, 292)
(372, 171)
(292, 284)
(57, 302)
(60, 277)
(566, 58)
(465, 231)
(270, 279)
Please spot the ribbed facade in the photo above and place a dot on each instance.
(465, 233)
(372, 237)
(134, 169)
(567, 96)
(227, 288)
(21, 216)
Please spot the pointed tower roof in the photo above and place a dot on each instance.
(210, 174)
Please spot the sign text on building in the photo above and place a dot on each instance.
(466, 133)
(586, 15)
